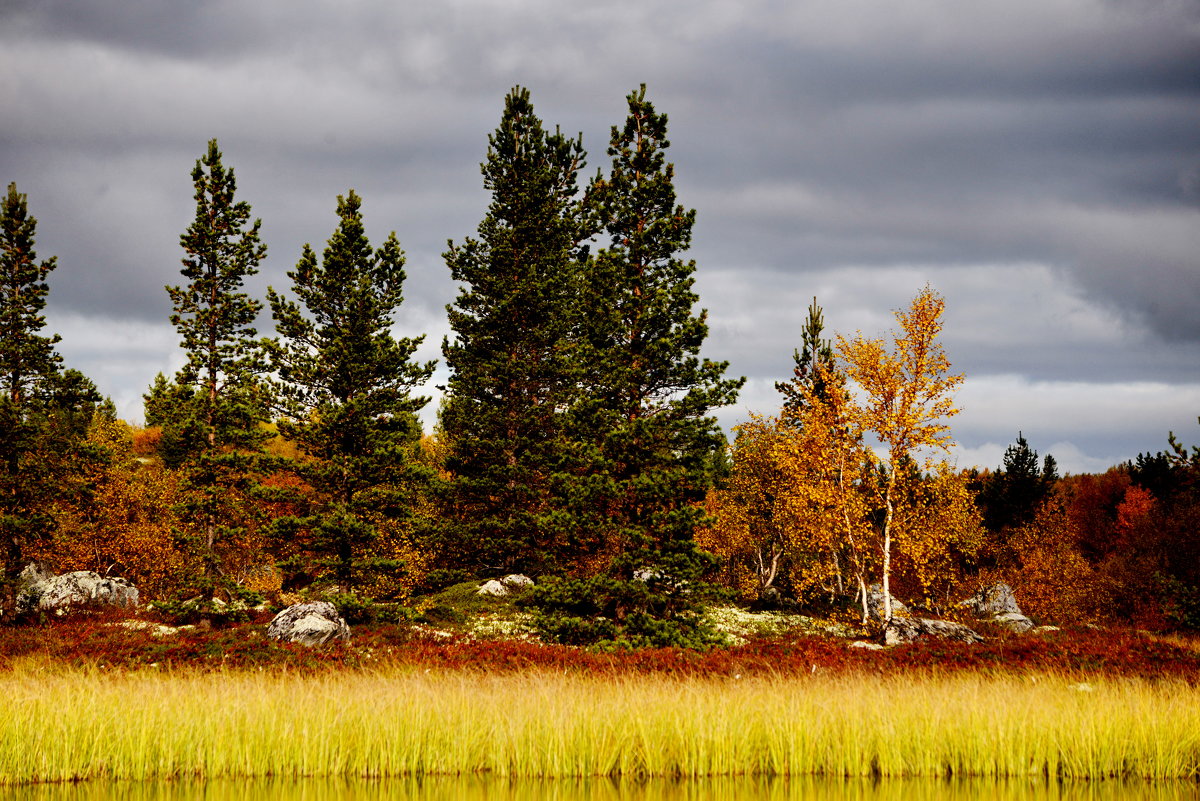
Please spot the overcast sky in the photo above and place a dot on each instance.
(1036, 161)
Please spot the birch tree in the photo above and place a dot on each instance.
(906, 397)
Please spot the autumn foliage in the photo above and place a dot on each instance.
(580, 449)
(809, 492)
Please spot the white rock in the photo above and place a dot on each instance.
(517, 581)
(493, 588)
(309, 624)
(82, 588)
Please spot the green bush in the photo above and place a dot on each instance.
(609, 613)
(189, 612)
(358, 610)
(1181, 602)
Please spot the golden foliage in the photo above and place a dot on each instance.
(806, 490)
(906, 397)
(938, 531)
(725, 537)
(907, 388)
(146, 441)
(126, 526)
(129, 529)
(794, 496)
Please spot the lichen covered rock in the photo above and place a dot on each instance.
(494, 588)
(996, 603)
(499, 588)
(310, 624)
(907, 629)
(992, 600)
(81, 589)
(517, 581)
(875, 606)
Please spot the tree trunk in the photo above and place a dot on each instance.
(887, 551)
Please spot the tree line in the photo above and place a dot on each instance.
(848, 484)
(575, 443)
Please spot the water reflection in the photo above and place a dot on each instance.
(728, 789)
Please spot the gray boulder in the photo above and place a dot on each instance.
(517, 581)
(494, 588)
(907, 629)
(82, 589)
(996, 602)
(310, 624)
(875, 607)
(499, 588)
(992, 600)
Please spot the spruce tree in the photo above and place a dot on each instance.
(511, 362)
(27, 361)
(168, 407)
(641, 423)
(345, 387)
(44, 410)
(215, 321)
(813, 354)
(1012, 497)
(27, 358)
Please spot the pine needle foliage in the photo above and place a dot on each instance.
(44, 411)
(512, 370)
(27, 358)
(27, 361)
(641, 422)
(813, 361)
(215, 321)
(345, 387)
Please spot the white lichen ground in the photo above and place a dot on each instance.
(512, 626)
(739, 625)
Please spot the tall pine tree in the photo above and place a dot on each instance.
(44, 411)
(512, 368)
(27, 358)
(345, 386)
(215, 321)
(641, 423)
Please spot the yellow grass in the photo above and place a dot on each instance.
(490, 788)
(62, 725)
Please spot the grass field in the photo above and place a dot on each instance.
(62, 723)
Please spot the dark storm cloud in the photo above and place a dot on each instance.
(1036, 159)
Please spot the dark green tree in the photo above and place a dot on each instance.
(345, 388)
(215, 321)
(1011, 496)
(813, 354)
(27, 358)
(168, 406)
(512, 369)
(44, 411)
(641, 424)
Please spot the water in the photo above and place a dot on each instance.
(488, 789)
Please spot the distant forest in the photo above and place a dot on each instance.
(576, 442)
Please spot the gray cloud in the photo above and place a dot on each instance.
(1037, 159)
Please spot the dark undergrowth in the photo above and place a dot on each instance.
(100, 641)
